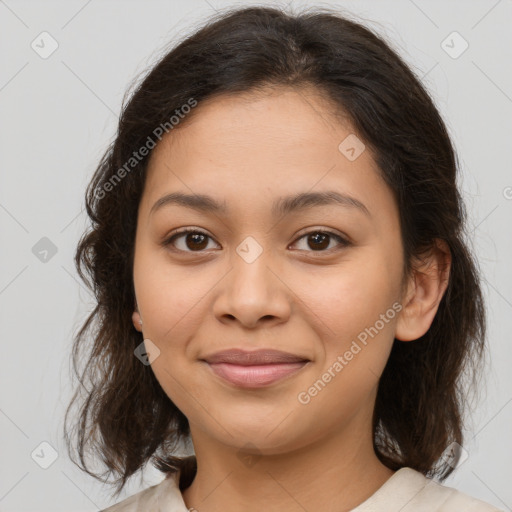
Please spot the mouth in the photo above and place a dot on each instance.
(255, 376)
(254, 369)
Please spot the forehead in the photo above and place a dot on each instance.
(280, 120)
(241, 147)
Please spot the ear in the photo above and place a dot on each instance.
(425, 290)
(136, 319)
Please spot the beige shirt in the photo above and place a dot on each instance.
(407, 491)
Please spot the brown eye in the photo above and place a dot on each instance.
(194, 240)
(319, 241)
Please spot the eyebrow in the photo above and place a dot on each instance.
(282, 206)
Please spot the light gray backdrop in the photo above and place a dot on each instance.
(58, 113)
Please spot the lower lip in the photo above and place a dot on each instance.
(255, 376)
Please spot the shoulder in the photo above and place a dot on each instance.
(429, 495)
(153, 499)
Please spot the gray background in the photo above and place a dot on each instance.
(58, 115)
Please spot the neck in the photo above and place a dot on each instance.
(332, 474)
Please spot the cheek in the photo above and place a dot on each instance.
(169, 296)
(355, 320)
(171, 304)
(355, 294)
(352, 311)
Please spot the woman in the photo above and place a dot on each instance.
(278, 258)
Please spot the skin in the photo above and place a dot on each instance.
(248, 150)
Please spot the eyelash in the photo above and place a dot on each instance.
(173, 236)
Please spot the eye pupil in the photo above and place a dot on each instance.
(197, 237)
(319, 238)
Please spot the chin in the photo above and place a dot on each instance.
(258, 437)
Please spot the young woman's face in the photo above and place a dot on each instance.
(268, 271)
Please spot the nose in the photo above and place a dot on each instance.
(253, 293)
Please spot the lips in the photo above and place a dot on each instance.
(257, 357)
(254, 369)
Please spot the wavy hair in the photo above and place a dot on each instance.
(125, 418)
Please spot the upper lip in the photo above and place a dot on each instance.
(246, 358)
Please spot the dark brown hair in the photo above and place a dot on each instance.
(126, 418)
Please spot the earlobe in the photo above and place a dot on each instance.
(424, 293)
(137, 321)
